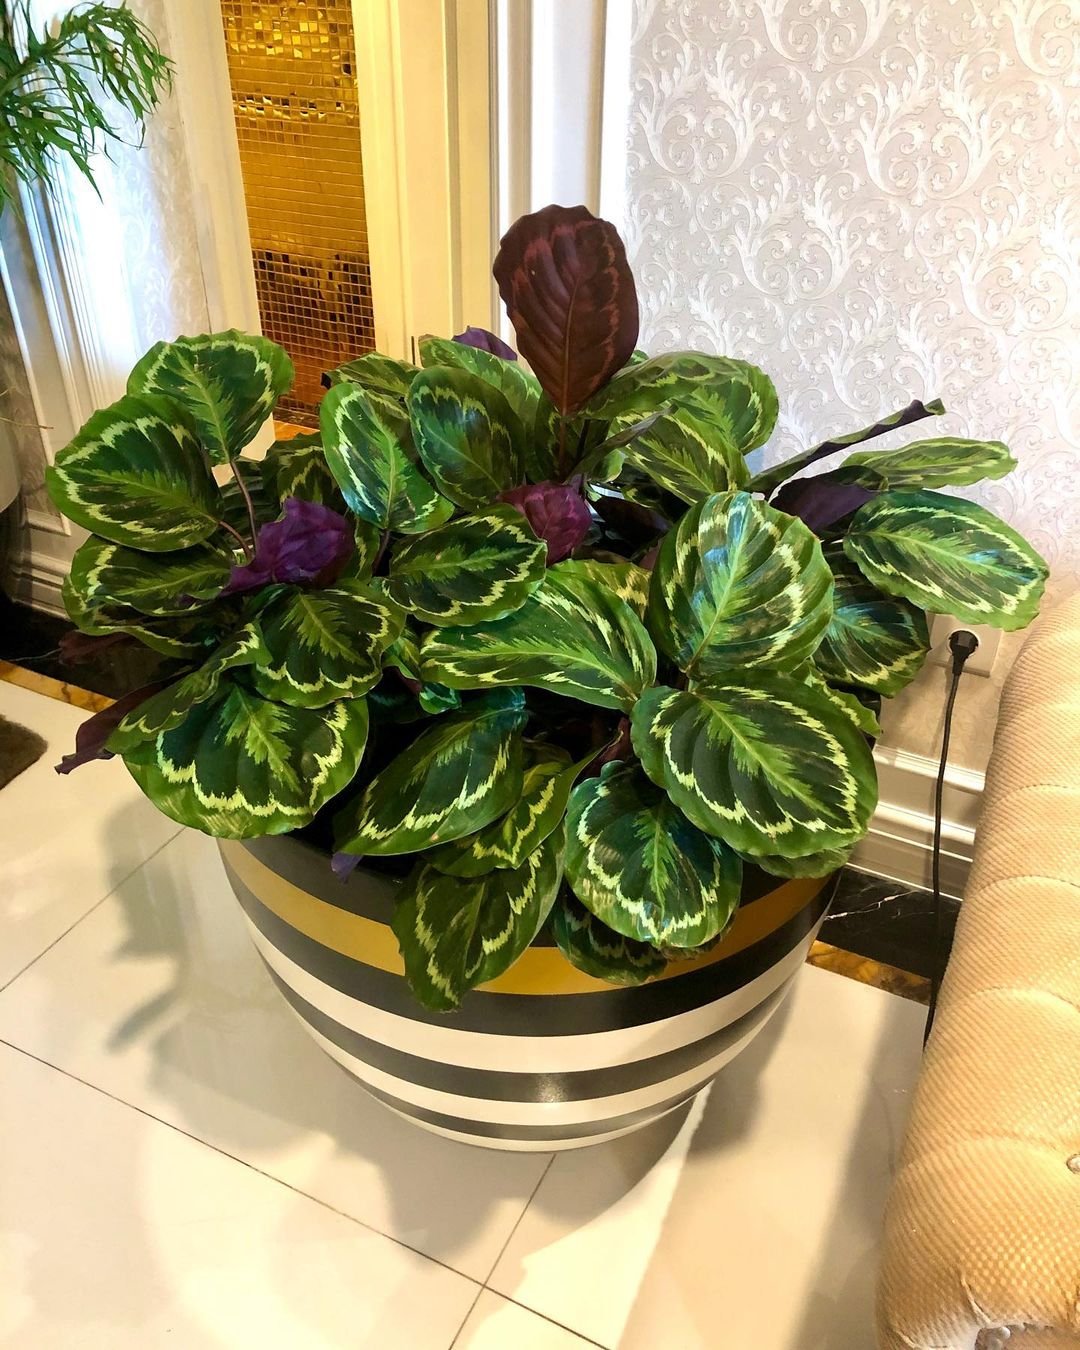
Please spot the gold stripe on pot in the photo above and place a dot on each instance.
(539, 970)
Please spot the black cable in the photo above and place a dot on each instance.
(962, 644)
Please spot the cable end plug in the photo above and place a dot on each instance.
(962, 644)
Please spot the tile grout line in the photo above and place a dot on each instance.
(587, 1340)
(96, 905)
(465, 1320)
(517, 1222)
(502, 1252)
(224, 1153)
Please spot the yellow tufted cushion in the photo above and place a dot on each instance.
(982, 1233)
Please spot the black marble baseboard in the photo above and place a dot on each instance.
(890, 922)
(31, 638)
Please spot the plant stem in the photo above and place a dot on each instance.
(561, 460)
(239, 539)
(382, 549)
(234, 465)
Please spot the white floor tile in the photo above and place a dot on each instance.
(64, 841)
(754, 1218)
(158, 998)
(117, 1233)
(496, 1324)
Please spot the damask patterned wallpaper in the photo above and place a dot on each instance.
(876, 200)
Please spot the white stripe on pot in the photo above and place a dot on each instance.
(561, 1114)
(540, 1054)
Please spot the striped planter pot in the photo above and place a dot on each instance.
(544, 1057)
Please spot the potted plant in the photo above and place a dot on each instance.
(587, 699)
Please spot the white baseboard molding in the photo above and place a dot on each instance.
(38, 582)
(900, 842)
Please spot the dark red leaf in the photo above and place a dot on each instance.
(310, 543)
(95, 731)
(76, 647)
(822, 501)
(569, 291)
(556, 511)
(486, 342)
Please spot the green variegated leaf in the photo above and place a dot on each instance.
(772, 767)
(875, 640)
(809, 865)
(363, 438)
(519, 387)
(768, 480)
(135, 475)
(455, 934)
(572, 636)
(624, 579)
(641, 867)
(545, 789)
(227, 383)
(404, 655)
(177, 635)
(928, 464)
(949, 556)
(737, 398)
(597, 950)
(297, 467)
(466, 434)
(377, 373)
(369, 548)
(844, 701)
(324, 645)
(152, 583)
(738, 584)
(239, 766)
(170, 706)
(478, 567)
(685, 453)
(456, 777)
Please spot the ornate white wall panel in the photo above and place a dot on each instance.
(876, 200)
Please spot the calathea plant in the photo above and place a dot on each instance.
(547, 636)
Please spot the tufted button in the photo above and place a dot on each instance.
(1073, 1163)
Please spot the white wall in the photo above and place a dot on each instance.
(876, 202)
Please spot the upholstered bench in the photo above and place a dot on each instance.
(982, 1233)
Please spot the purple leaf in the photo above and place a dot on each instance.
(570, 295)
(95, 731)
(486, 342)
(344, 865)
(309, 543)
(820, 502)
(557, 512)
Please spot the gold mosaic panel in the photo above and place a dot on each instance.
(292, 68)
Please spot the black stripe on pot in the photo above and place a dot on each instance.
(499, 1085)
(486, 1129)
(371, 894)
(532, 1014)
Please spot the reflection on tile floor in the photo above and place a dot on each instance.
(188, 1169)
